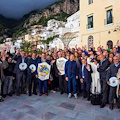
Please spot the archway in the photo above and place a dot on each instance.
(110, 44)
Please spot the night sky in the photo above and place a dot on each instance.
(18, 8)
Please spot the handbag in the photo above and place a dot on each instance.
(96, 99)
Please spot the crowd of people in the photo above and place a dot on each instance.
(86, 72)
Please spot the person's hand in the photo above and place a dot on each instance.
(88, 67)
(76, 46)
(81, 80)
(59, 73)
(107, 69)
(52, 61)
(3, 58)
(118, 43)
(76, 77)
(36, 76)
(108, 82)
(66, 78)
(91, 45)
(106, 46)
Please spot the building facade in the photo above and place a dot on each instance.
(99, 22)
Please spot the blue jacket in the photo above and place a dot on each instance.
(68, 69)
(40, 61)
(87, 74)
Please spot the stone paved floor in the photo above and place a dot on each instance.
(53, 107)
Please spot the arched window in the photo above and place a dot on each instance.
(110, 44)
(90, 40)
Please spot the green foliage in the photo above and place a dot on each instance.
(39, 52)
(25, 46)
(48, 40)
(19, 32)
(1, 41)
(60, 17)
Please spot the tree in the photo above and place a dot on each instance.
(26, 46)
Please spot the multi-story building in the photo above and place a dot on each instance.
(99, 22)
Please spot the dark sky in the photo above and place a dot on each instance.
(17, 8)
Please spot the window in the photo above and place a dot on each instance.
(109, 16)
(90, 1)
(90, 41)
(90, 22)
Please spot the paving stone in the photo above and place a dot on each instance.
(53, 107)
(67, 105)
(103, 118)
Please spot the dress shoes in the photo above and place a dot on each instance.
(40, 94)
(111, 107)
(102, 105)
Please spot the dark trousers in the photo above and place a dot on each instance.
(21, 78)
(56, 82)
(72, 80)
(32, 82)
(62, 83)
(86, 89)
(41, 85)
(78, 85)
(112, 95)
(104, 88)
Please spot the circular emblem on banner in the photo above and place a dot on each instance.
(32, 67)
(22, 66)
(113, 81)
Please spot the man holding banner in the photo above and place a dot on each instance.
(60, 71)
(31, 74)
(21, 72)
(112, 72)
(42, 73)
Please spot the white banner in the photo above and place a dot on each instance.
(43, 71)
(61, 65)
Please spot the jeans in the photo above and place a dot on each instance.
(8, 85)
(72, 80)
(21, 78)
(41, 84)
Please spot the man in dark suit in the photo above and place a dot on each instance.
(42, 83)
(20, 74)
(85, 71)
(112, 73)
(31, 75)
(71, 74)
(102, 69)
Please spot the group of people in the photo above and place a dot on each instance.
(86, 72)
